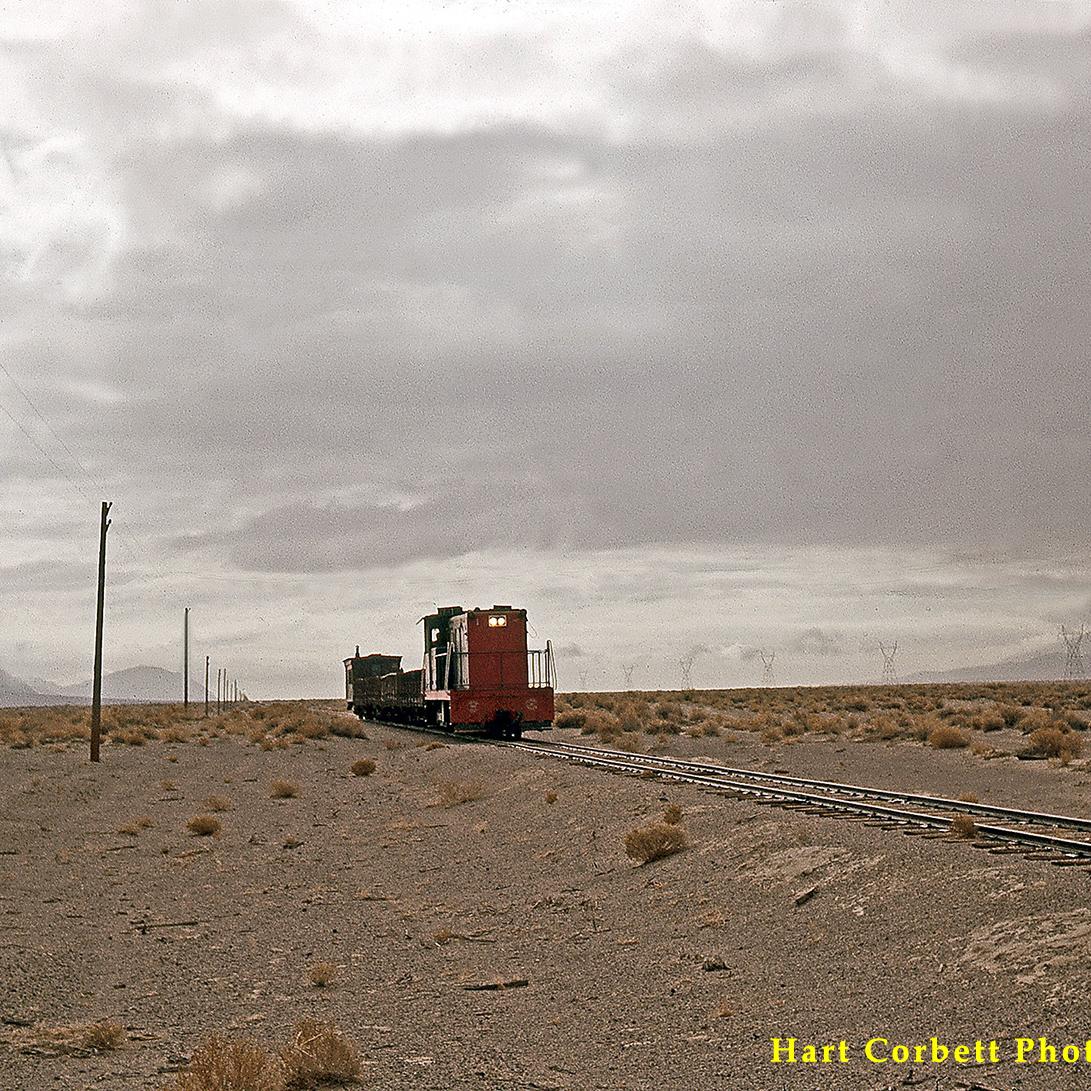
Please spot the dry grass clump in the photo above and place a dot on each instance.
(231, 1064)
(947, 738)
(962, 825)
(450, 793)
(203, 825)
(319, 1054)
(672, 814)
(322, 974)
(132, 829)
(363, 767)
(283, 789)
(551, 796)
(102, 1036)
(219, 804)
(655, 841)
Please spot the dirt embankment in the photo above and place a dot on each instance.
(449, 868)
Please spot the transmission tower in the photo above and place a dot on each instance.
(767, 674)
(890, 675)
(1074, 667)
(686, 664)
(628, 672)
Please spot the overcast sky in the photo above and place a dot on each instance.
(691, 327)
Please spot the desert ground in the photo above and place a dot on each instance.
(467, 915)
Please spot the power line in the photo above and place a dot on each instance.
(56, 435)
(64, 473)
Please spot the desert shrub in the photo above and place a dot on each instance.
(345, 728)
(310, 727)
(283, 789)
(318, 1054)
(947, 738)
(363, 767)
(129, 736)
(672, 814)
(1035, 718)
(574, 718)
(602, 723)
(1053, 742)
(988, 721)
(655, 841)
(1075, 721)
(962, 825)
(551, 797)
(450, 793)
(132, 829)
(219, 803)
(1010, 714)
(203, 825)
(231, 1064)
(322, 974)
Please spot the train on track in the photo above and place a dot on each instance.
(478, 675)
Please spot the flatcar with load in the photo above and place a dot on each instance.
(478, 675)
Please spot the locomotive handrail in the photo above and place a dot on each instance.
(535, 668)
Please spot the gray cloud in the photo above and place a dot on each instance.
(799, 295)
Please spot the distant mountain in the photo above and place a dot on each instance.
(14, 692)
(138, 684)
(1043, 667)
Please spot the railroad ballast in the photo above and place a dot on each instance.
(478, 675)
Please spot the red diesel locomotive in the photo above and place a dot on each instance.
(478, 675)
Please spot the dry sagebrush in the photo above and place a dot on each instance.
(655, 841)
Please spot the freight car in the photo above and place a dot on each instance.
(477, 676)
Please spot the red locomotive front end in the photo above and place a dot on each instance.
(481, 674)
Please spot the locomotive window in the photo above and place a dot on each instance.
(496, 620)
(435, 635)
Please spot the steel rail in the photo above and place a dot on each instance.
(1037, 818)
(626, 763)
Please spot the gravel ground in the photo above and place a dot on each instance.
(671, 975)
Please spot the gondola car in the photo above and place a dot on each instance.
(477, 676)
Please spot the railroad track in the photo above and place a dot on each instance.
(1023, 831)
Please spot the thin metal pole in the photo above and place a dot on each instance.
(185, 666)
(206, 687)
(96, 693)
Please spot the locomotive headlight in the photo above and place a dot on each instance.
(497, 620)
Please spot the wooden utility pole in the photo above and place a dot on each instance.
(185, 666)
(206, 687)
(219, 691)
(96, 693)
